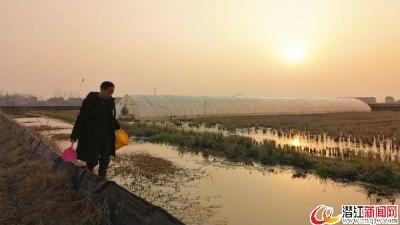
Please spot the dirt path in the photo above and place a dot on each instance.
(32, 194)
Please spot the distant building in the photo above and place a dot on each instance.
(18, 100)
(56, 101)
(73, 102)
(389, 100)
(28, 101)
(368, 100)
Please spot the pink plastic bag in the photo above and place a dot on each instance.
(69, 154)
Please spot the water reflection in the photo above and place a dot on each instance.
(296, 141)
(320, 145)
(325, 146)
(260, 195)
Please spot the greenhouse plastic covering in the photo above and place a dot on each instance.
(147, 107)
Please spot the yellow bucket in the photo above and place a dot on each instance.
(121, 139)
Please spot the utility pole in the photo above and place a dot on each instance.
(79, 93)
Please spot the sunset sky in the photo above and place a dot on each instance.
(317, 48)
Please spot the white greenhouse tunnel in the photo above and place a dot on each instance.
(159, 107)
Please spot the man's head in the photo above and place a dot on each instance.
(107, 89)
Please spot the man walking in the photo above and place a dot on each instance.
(95, 128)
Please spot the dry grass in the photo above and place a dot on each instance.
(68, 116)
(144, 164)
(362, 127)
(46, 139)
(32, 194)
(60, 137)
(17, 113)
(62, 114)
(44, 128)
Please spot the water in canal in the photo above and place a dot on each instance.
(242, 194)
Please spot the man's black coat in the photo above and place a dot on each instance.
(86, 128)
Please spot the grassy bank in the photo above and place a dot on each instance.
(68, 116)
(32, 194)
(245, 149)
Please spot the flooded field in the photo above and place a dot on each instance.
(49, 128)
(210, 190)
(336, 137)
(318, 145)
(240, 194)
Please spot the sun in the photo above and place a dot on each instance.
(294, 54)
(296, 142)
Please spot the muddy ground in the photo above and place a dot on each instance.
(161, 182)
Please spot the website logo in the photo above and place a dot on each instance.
(370, 214)
(324, 215)
(356, 214)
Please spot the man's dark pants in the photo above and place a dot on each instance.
(104, 155)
